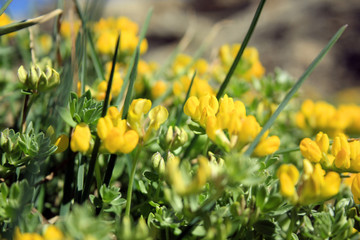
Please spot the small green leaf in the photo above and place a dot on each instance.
(66, 116)
(260, 196)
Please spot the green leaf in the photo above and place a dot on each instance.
(294, 89)
(260, 196)
(65, 114)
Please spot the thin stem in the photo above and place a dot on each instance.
(109, 169)
(131, 182)
(292, 223)
(24, 113)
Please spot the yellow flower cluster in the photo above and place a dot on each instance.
(322, 116)
(229, 115)
(249, 67)
(315, 184)
(107, 31)
(344, 155)
(114, 133)
(175, 177)
(51, 233)
(136, 117)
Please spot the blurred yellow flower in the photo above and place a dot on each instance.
(80, 139)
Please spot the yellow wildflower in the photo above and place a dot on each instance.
(114, 133)
(158, 89)
(62, 142)
(355, 188)
(53, 233)
(26, 236)
(176, 180)
(80, 139)
(310, 150)
(288, 176)
(267, 146)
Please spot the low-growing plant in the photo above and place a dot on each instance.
(97, 143)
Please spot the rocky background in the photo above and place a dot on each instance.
(289, 34)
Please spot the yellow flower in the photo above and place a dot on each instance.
(200, 109)
(158, 115)
(114, 133)
(318, 186)
(267, 146)
(176, 180)
(80, 139)
(158, 89)
(249, 130)
(62, 142)
(288, 176)
(341, 150)
(53, 233)
(26, 236)
(138, 108)
(67, 27)
(355, 188)
(310, 150)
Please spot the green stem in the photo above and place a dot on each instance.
(292, 223)
(25, 111)
(109, 169)
(131, 182)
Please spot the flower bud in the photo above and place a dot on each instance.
(158, 163)
(176, 139)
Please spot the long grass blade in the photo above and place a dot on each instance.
(133, 74)
(294, 89)
(4, 7)
(241, 50)
(94, 57)
(133, 58)
(13, 27)
(180, 111)
(94, 154)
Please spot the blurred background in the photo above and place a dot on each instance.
(289, 33)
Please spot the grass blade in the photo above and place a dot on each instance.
(131, 84)
(13, 27)
(95, 59)
(94, 154)
(133, 58)
(180, 111)
(241, 50)
(294, 89)
(4, 7)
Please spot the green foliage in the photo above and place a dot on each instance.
(19, 149)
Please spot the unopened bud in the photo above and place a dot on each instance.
(158, 163)
(22, 74)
